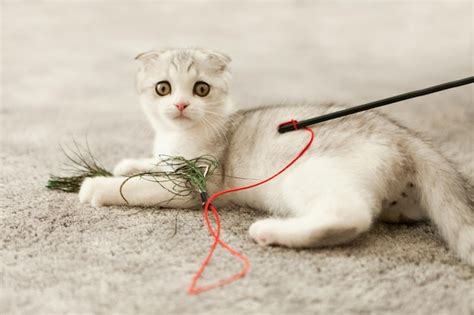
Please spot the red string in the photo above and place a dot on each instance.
(193, 288)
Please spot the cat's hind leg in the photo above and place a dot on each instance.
(325, 224)
(326, 206)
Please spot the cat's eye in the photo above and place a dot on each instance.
(201, 88)
(163, 88)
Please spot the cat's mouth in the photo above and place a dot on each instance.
(182, 117)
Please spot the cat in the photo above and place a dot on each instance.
(360, 168)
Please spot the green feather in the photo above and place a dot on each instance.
(82, 164)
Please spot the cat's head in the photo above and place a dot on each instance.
(183, 88)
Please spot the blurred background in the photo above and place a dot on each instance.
(75, 59)
(67, 69)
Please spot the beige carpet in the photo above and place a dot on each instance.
(67, 69)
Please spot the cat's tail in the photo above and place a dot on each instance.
(448, 199)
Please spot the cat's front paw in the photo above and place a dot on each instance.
(127, 167)
(101, 191)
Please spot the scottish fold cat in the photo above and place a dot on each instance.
(360, 168)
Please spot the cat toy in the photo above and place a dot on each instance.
(186, 176)
(288, 126)
(190, 176)
(82, 164)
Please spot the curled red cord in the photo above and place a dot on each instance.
(193, 288)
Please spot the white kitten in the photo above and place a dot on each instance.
(360, 168)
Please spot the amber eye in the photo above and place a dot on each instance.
(201, 88)
(163, 88)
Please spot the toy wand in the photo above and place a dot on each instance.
(292, 125)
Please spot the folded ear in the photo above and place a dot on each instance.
(147, 59)
(148, 55)
(220, 60)
(219, 56)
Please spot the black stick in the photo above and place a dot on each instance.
(288, 126)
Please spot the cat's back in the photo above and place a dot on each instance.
(254, 140)
(258, 127)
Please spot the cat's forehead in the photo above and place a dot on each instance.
(184, 62)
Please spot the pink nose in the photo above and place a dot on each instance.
(181, 106)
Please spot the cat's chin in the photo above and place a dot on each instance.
(181, 122)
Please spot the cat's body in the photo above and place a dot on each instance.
(359, 168)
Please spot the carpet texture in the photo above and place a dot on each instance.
(67, 70)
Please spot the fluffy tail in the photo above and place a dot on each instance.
(448, 199)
